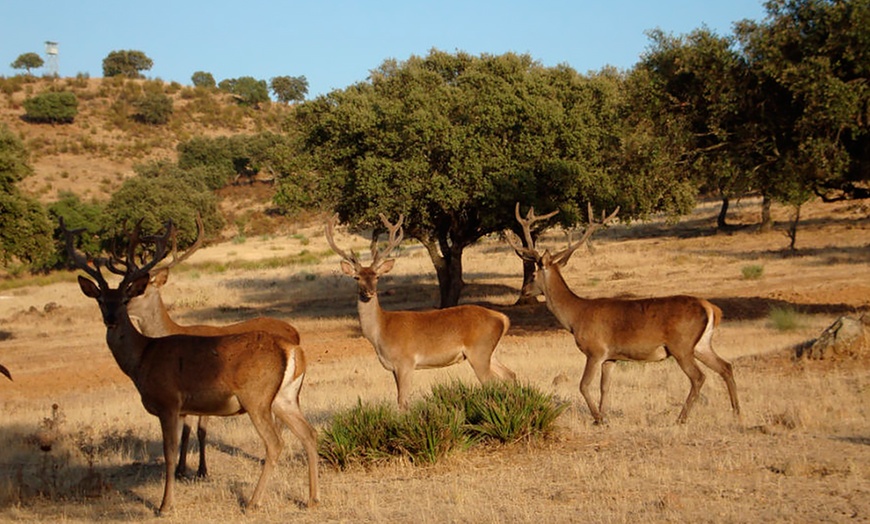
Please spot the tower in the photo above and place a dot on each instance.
(51, 52)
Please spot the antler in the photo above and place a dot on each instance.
(527, 253)
(562, 257)
(78, 258)
(396, 234)
(200, 233)
(330, 227)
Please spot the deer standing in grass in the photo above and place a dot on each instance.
(409, 340)
(611, 329)
(152, 318)
(258, 373)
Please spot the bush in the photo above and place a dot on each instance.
(25, 231)
(452, 417)
(78, 215)
(785, 318)
(159, 198)
(752, 272)
(203, 79)
(60, 107)
(153, 108)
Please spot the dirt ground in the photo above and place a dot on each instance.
(801, 451)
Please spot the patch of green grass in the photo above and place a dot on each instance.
(452, 417)
(785, 318)
(752, 271)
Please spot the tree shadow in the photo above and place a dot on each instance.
(754, 308)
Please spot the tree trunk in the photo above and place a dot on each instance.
(528, 273)
(448, 268)
(793, 227)
(766, 220)
(721, 222)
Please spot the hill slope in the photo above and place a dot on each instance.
(93, 155)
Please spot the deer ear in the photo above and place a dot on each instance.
(386, 266)
(88, 287)
(137, 287)
(160, 276)
(348, 268)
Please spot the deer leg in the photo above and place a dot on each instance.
(724, 369)
(696, 377)
(403, 385)
(593, 364)
(502, 371)
(606, 368)
(169, 428)
(289, 412)
(263, 422)
(181, 469)
(201, 432)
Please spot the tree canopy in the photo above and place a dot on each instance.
(28, 61)
(453, 141)
(127, 63)
(289, 88)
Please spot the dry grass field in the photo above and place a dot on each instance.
(77, 446)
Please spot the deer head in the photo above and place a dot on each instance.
(367, 277)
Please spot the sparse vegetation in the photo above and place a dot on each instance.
(452, 417)
(785, 318)
(752, 271)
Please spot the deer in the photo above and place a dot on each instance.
(255, 372)
(607, 330)
(152, 318)
(408, 340)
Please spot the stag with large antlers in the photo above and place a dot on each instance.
(152, 317)
(258, 373)
(611, 329)
(409, 340)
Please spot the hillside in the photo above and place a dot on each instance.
(94, 155)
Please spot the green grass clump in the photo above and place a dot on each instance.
(454, 416)
(785, 318)
(752, 271)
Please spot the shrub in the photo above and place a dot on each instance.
(752, 272)
(153, 108)
(59, 107)
(785, 318)
(452, 417)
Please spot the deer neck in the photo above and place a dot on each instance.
(561, 301)
(154, 320)
(127, 344)
(371, 317)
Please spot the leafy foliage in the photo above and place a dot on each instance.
(248, 91)
(153, 108)
(127, 63)
(162, 196)
(25, 231)
(28, 61)
(289, 88)
(203, 79)
(14, 165)
(452, 417)
(453, 141)
(52, 107)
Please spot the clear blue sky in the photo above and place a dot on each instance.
(335, 43)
